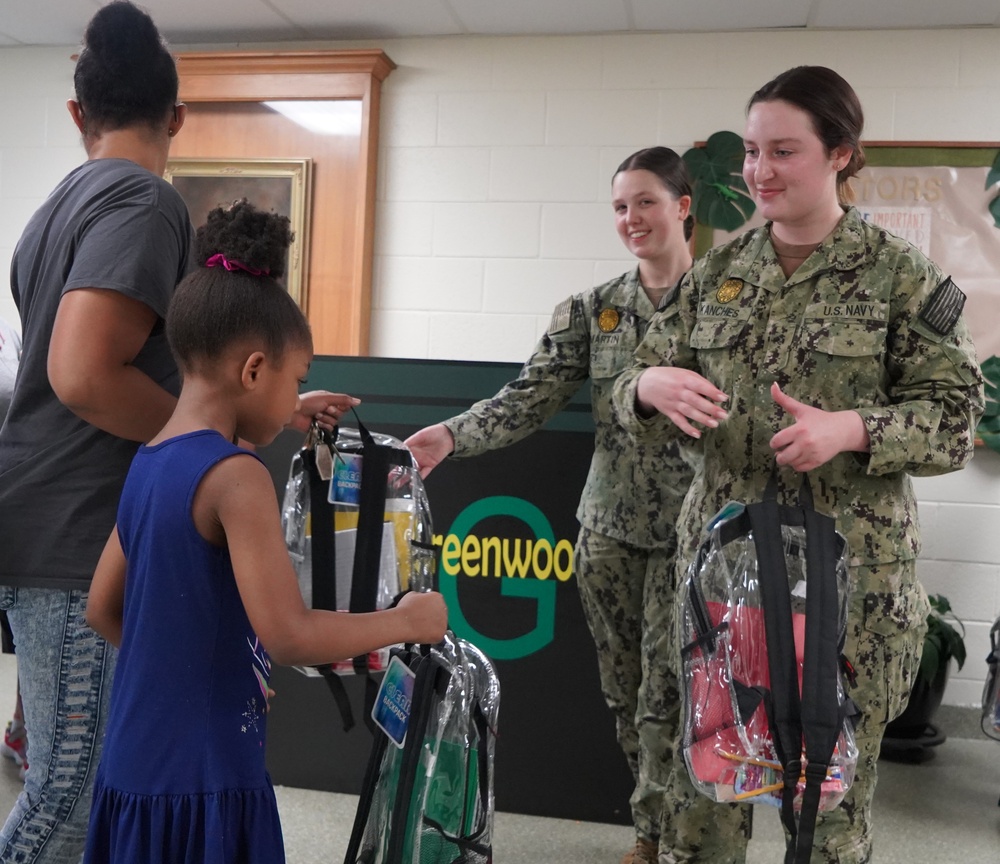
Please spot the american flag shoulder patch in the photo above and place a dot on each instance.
(561, 316)
(943, 307)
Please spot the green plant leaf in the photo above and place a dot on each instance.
(943, 641)
(930, 660)
(939, 603)
(958, 652)
(994, 177)
(721, 199)
(989, 424)
(994, 174)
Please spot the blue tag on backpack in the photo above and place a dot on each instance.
(345, 485)
(391, 711)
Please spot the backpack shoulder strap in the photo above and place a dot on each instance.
(324, 562)
(821, 715)
(765, 522)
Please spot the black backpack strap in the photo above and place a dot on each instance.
(324, 542)
(367, 797)
(821, 714)
(373, 773)
(376, 462)
(815, 719)
(339, 692)
(324, 572)
(786, 731)
(431, 682)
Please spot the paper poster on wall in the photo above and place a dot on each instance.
(944, 212)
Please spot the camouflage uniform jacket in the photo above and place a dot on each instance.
(865, 323)
(634, 490)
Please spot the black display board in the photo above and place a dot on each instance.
(556, 749)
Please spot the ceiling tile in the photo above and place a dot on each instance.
(192, 22)
(365, 19)
(542, 16)
(903, 14)
(35, 23)
(720, 15)
(204, 22)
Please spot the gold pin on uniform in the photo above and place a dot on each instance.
(608, 320)
(729, 290)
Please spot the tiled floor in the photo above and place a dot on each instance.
(943, 811)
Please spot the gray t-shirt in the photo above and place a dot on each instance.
(110, 225)
(10, 353)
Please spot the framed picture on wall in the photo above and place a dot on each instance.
(279, 185)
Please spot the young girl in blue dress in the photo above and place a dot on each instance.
(195, 584)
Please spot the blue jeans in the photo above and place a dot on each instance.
(66, 672)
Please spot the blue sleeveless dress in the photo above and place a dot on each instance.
(182, 777)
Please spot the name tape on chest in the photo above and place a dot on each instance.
(850, 311)
(943, 307)
(708, 309)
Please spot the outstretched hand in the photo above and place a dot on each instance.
(322, 406)
(815, 436)
(430, 446)
(683, 396)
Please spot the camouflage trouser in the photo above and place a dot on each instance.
(885, 631)
(628, 600)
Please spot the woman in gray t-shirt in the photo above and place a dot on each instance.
(14, 744)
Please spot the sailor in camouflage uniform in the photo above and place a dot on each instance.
(624, 555)
(848, 358)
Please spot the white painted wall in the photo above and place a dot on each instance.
(493, 199)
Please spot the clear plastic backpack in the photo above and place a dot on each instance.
(429, 798)
(357, 525)
(762, 626)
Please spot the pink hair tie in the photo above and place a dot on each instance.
(220, 260)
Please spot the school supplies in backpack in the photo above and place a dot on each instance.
(427, 796)
(991, 690)
(358, 529)
(762, 625)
